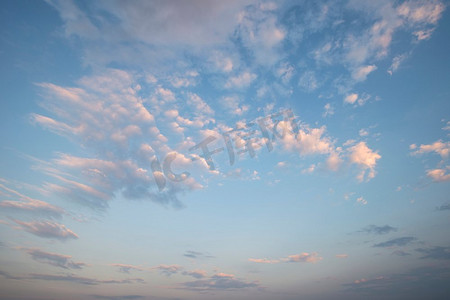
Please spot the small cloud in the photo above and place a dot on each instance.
(443, 207)
(351, 98)
(396, 61)
(240, 81)
(439, 175)
(303, 257)
(264, 260)
(439, 253)
(126, 268)
(168, 270)
(363, 132)
(196, 273)
(308, 81)
(195, 254)
(341, 255)
(402, 241)
(47, 229)
(220, 281)
(361, 201)
(361, 73)
(378, 229)
(328, 110)
(400, 253)
(365, 158)
(54, 259)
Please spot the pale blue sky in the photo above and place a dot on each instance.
(351, 205)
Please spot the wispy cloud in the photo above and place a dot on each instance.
(47, 229)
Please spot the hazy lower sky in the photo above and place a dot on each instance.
(228, 150)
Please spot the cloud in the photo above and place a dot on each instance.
(241, 81)
(308, 81)
(402, 241)
(168, 270)
(365, 158)
(439, 147)
(219, 281)
(196, 273)
(47, 229)
(351, 98)
(439, 175)
(109, 116)
(54, 259)
(328, 110)
(416, 283)
(361, 200)
(360, 74)
(264, 260)
(443, 207)
(82, 280)
(196, 254)
(396, 61)
(400, 253)
(71, 278)
(126, 268)
(341, 255)
(295, 258)
(28, 204)
(439, 253)
(373, 229)
(125, 297)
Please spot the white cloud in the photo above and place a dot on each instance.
(396, 61)
(351, 98)
(328, 110)
(308, 81)
(439, 147)
(240, 81)
(360, 73)
(439, 175)
(361, 201)
(365, 158)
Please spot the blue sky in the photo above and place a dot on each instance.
(327, 126)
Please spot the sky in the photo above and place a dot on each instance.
(230, 150)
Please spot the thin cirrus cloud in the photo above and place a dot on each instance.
(25, 204)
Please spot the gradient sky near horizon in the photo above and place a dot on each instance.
(348, 198)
